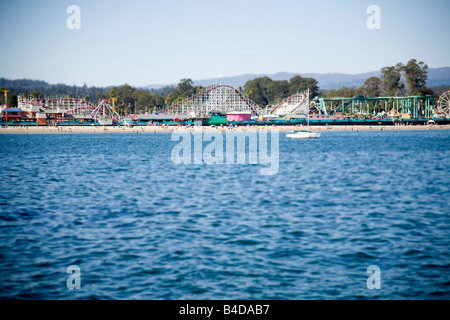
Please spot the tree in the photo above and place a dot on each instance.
(185, 85)
(390, 103)
(298, 84)
(145, 100)
(35, 94)
(157, 101)
(178, 100)
(257, 90)
(184, 89)
(2, 99)
(426, 91)
(391, 84)
(12, 101)
(344, 92)
(371, 87)
(124, 95)
(277, 91)
(134, 95)
(415, 75)
(169, 99)
(113, 92)
(264, 91)
(99, 96)
(142, 100)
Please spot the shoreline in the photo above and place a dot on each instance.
(169, 129)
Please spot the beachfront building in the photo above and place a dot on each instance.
(326, 117)
(239, 116)
(36, 114)
(55, 111)
(11, 115)
(41, 118)
(159, 118)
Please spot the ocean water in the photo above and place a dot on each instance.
(140, 227)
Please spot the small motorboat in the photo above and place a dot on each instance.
(303, 134)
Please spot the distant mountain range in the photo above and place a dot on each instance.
(327, 81)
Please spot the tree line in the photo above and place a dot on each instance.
(399, 80)
(40, 89)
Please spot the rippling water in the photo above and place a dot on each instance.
(140, 227)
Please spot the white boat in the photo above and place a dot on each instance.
(303, 134)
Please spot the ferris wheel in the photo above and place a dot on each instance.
(444, 103)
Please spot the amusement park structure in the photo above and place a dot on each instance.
(104, 113)
(70, 106)
(444, 104)
(295, 104)
(226, 99)
(216, 98)
(416, 106)
(76, 105)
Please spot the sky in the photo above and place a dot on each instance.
(143, 42)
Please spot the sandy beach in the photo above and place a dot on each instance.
(168, 129)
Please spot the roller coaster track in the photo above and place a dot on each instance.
(69, 105)
(89, 107)
(251, 105)
(286, 101)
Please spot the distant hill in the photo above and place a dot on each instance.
(436, 77)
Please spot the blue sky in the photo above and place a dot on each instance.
(143, 42)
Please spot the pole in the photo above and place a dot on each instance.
(114, 108)
(6, 103)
